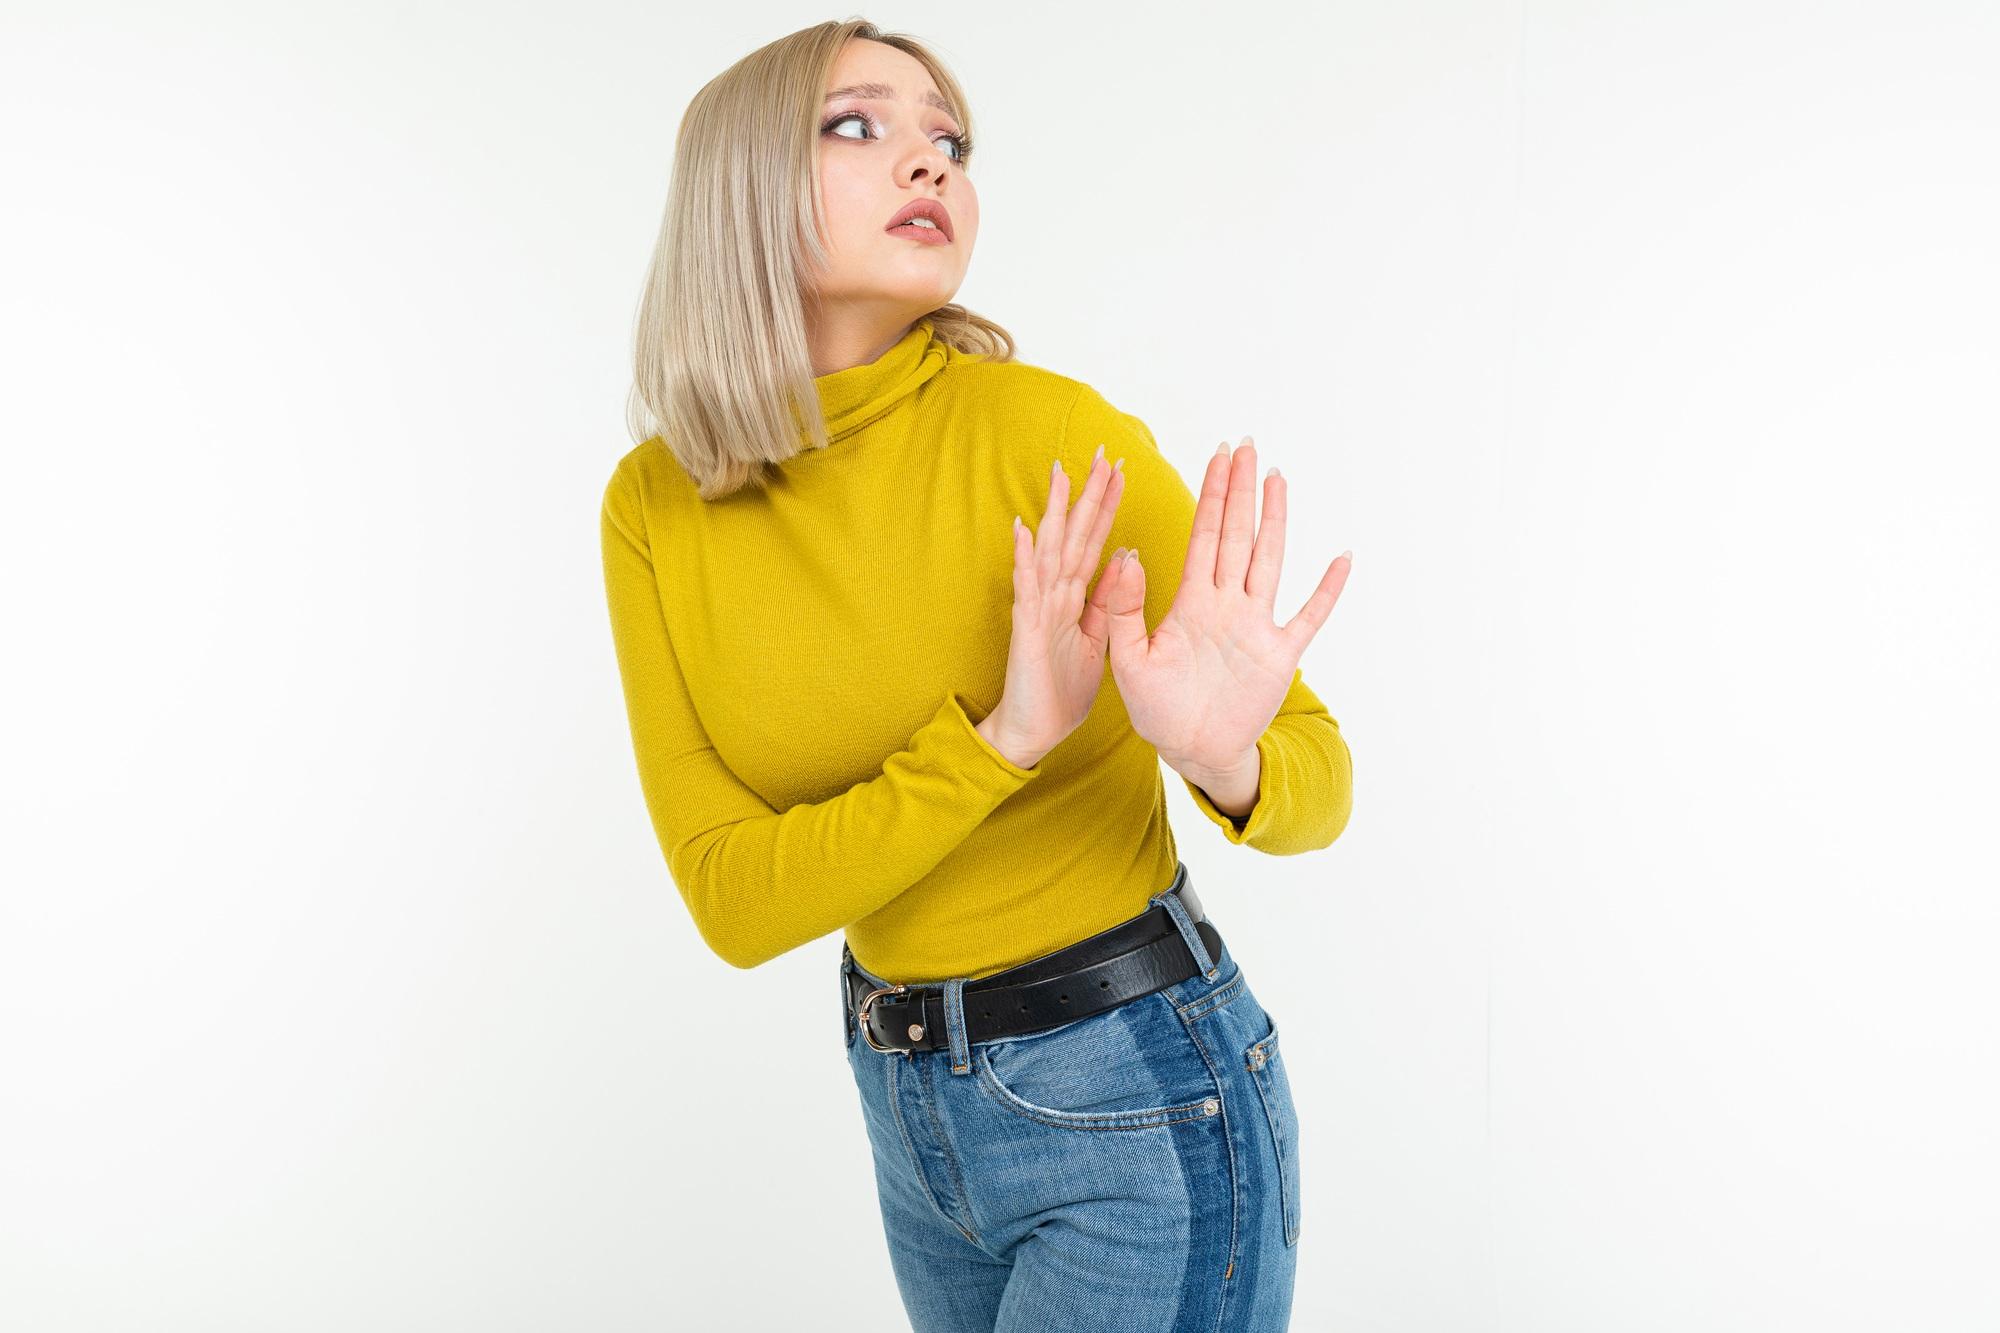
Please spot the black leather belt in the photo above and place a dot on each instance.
(1131, 959)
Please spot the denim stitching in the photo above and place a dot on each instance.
(1265, 1082)
(1094, 1121)
(1184, 922)
(1014, 1099)
(954, 1023)
(916, 1164)
(1229, 1141)
(951, 1164)
(1150, 1118)
(1214, 999)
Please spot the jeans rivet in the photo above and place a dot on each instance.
(1210, 1107)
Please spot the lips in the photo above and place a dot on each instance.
(922, 208)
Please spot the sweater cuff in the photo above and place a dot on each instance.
(1245, 828)
(972, 751)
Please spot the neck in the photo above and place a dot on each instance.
(851, 335)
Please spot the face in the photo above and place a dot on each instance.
(879, 151)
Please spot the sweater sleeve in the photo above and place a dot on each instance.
(1305, 783)
(759, 882)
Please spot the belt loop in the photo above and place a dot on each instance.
(1170, 899)
(846, 996)
(954, 1025)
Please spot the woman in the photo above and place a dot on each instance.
(852, 711)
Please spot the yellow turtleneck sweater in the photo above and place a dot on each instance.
(803, 668)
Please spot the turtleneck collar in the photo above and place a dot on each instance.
(852, 398)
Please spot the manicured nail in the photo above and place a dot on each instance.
(1347, 556)
(1056, 471)
(1118, 466)
(1222, 448)
(1272, 473)
(1099, 454)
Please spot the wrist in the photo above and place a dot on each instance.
(1230, 788)
(992, 728)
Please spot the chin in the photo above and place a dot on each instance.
(927, 295)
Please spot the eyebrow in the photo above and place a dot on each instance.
(882, 92)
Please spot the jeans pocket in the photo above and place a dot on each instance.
(1133, 1067)
(1267, 1069)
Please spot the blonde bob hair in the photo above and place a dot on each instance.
(722, 370)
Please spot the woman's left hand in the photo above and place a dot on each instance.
(1205, 685)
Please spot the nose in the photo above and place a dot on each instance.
(928, 161)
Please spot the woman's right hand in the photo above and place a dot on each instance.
(1055, 655)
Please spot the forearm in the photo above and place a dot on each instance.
(759, 883)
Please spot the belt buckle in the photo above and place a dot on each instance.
(861, 1019)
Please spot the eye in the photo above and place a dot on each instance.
(842, 119)
(961, 144)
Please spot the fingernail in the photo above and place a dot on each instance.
(1099, 454)
(1272, 473)
(1118, 466)
(1348, 556)
(1057, 469)
(1222, 448)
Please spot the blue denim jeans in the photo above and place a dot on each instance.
(1136, 1169)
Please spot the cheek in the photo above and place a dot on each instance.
(850, 204)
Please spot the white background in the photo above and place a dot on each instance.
(1644, 354)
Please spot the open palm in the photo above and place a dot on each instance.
(1056, 646)
(1204, 686)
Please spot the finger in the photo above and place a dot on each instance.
(1267, 558)
(1125, 609)
(1207, 531)
(1100, 523)
(1049, 537)
(1079, 551)
(1026, 587)
(1301, 628)
(1095, 622)
(1239, 518)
